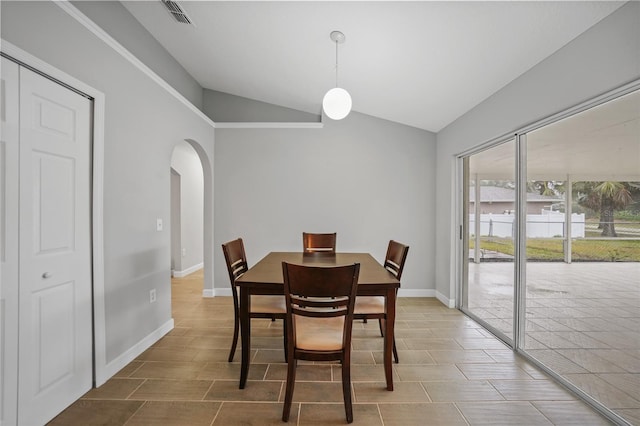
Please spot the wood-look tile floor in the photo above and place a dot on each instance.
(451, 372)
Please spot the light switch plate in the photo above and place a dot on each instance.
(158, 224)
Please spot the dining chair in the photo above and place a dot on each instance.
(320, 303)
(261, 306)
(318, 243)
(371, 307)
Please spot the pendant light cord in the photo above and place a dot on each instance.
(336, 63)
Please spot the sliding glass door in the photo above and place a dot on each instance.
(551, 250)
(490, 202)
(583, 253)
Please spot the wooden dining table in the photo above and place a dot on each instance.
(265, 277)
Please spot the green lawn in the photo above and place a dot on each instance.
(582, 249)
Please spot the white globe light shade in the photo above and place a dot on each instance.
(337, 103)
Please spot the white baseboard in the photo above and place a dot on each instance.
(185, 272)
(449, 303)
(120, 362)
(406, 292)
(207, 292)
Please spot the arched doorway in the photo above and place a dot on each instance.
(192, 212)
(187, 207)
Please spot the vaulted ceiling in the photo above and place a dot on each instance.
(422, 64)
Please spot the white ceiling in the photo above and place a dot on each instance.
(419, 63)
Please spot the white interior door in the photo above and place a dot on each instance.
(8, 242)
(55, 320)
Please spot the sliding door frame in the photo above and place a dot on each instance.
(462, 240)
(520, 243)
(520, 234)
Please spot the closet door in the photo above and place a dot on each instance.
(8, 242)
(55, 319)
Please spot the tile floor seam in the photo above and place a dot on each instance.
(138, 368)
(217, 414)
(455, 404)
(380, 414)
(632, 396)
(134, 413)
(208, 390)
(137, 387)
(426, 392)
(266, 372)
(282, 391)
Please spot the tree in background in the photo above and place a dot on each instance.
(605, 198)
(549, 188)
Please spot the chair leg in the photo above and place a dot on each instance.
(236, 329)
(285, 338)
(288, 397)
(346, 390)
(395, 350)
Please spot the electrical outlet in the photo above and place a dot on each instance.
(184, 252)
(158, 224)
(152, 295)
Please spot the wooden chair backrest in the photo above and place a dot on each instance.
(395, 258)
(319, 243)
(236, 260)
(320, 292)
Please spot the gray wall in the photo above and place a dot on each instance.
(115, 19)
(143, 124)
(367, 179)
(223, 107)
(604, 57)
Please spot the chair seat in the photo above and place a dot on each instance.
(268, 304)
(319, 334)
(369, 305)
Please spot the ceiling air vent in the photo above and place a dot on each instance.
(177, 12)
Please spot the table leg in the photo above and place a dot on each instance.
(388, 337)
(245, 333)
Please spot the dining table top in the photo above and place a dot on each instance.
(269, 269)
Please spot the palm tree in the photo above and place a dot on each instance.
(606, 198)
(549, 188)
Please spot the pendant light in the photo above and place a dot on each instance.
(337, 101)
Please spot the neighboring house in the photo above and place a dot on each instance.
(494, 199)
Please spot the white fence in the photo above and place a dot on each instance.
(549, 224)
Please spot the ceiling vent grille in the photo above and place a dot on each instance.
(177, 12)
